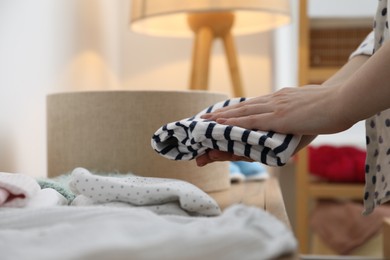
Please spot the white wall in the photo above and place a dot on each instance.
(285, 67)
(49, 46)
(70, 45)
(342, 8)
(29, 63)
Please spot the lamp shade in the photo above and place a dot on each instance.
(169, 17)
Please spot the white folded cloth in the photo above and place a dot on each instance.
(47, 198)
(188, 138)
(171, 208)
(142, 191)
(98, 233)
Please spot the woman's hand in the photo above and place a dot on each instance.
(305, 111)
(219, 156)
(308, 110)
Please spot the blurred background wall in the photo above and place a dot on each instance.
(74, 45)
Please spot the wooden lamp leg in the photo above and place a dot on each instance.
(201, 59)
(231, 56)
(207, 27)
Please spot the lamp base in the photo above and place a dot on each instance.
(110, 131)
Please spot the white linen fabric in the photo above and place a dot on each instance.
(377, 187)
(188, 138)
(97, 232)
(142, 191)
(171, 208)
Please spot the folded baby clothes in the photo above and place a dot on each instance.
(247, 171)
(235, 173)
(188, 138)
(170, 208)
(16, 190)
(60, 184)
(142, 191)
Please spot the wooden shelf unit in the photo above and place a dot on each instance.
(327, 190)
(308, 191)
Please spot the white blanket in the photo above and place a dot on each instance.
(97, 232)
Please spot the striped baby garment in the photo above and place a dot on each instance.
(188, 138)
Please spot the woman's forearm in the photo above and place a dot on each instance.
(367, 91)
(345, 73)
(339, 78)
(308, 110)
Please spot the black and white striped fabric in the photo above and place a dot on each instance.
(191, 137)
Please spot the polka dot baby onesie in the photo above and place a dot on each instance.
(143, 191)
(377, 190)
(188, 138)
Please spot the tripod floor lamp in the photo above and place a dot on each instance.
(209, 20)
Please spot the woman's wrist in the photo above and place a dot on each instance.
(344, 111)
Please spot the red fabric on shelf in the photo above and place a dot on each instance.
(337, 164)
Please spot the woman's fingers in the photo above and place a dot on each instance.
(218, 156)
(249, 102)
(261, 122)
(242, 111)
(308, 110)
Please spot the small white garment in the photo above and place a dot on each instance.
(47, 198)
(142, 191)
(188, 138)
(17, 189)
(96, 232)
